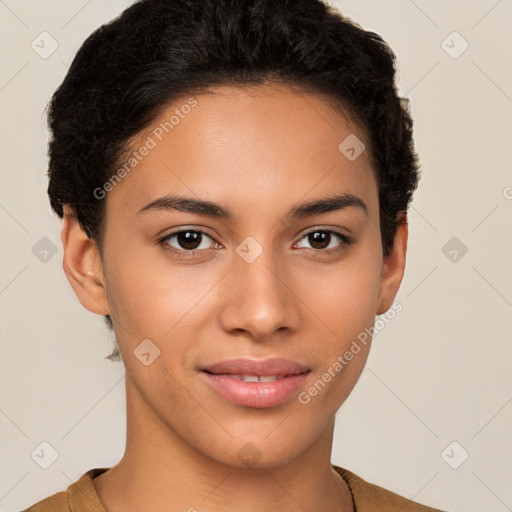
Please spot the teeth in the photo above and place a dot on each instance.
(255, 378)
(268, 378)
(250, 378)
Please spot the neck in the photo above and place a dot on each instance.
(161, 471)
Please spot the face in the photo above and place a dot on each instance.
(265, 279)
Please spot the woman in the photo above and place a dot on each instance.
(233, 178)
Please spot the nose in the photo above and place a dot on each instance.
(258, 299)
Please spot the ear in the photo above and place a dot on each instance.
(393, 267)
(82, 265)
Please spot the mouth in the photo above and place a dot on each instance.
(256, 383)
(254, 378)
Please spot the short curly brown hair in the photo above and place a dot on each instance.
(129, 69)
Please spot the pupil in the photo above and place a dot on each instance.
(319, 236)
(189, 239)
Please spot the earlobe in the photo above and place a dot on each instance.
(393, 267)
(82, 265)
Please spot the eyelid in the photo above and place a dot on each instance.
(163, 239)
(309, 231)
(346, 241)
(333, 229)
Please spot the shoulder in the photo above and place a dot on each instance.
(80, 496)
(369, 497)
(56, 503)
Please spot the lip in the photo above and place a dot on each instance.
(272, 366)
(256, 394)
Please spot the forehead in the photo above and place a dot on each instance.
(252, 143)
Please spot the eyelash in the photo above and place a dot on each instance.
(182, 253)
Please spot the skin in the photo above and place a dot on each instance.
(258, 151)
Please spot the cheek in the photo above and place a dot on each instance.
(344, 297)
(153, 298)
(342, 340)
(344, 301)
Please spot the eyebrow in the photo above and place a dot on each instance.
(201, 207)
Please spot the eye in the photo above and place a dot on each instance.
(189, 243)
(186, 241)
(322, 240)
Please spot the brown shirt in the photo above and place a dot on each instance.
(81, 496)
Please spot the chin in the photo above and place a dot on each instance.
(262, 451)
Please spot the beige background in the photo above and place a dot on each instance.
(439, 372)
